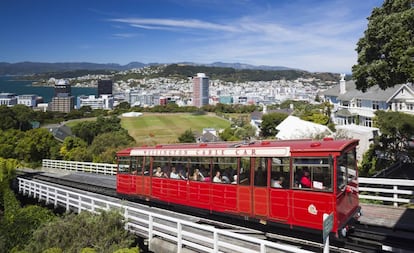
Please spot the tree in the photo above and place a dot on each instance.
(104, 232)
(8, 140)
(17, 230)
(86, 130)
(397, 129)
(269, 123)
(24, 116)
(8, 119)
(37, 144)
(386, 51)
(105, 145)
(187, 137)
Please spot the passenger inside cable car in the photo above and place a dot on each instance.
(305, 180)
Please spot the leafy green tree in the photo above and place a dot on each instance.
(397, 129)
(8, 140)
(86, 130)
(386, 51)
(75, 149)
(104, 146)
(187, 137)
(37, 144)
(18, 230)
(8, 118)
(229, 134)
(103, 233)
(70, 143)
(269, 123)
(368, 164)
(24, 116)
(80, 154)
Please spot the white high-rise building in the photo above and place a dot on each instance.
(200, 90)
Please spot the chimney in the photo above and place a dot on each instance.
(342, 84)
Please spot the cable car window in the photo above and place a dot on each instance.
(224, 170)
(200, 169)
(147, 165)
(244, 174)
(160, 167)
(312, 173)
(123, 164)
(280, 175)
(136, 165)
(178, 169)
(260, 172)
(346, 170)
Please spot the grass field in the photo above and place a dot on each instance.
(157, 128)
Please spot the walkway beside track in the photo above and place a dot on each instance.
(396, 218)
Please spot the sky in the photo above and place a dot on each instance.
(313, 35)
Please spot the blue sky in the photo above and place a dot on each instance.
(314, 35)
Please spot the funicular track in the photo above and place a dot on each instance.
(362, 238)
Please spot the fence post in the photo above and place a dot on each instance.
(215, 240)
(395, 187)
(179, 237)
(150, 227)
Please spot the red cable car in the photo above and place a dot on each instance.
(290, 182)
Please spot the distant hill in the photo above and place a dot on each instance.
(238, 66)
(29, 68)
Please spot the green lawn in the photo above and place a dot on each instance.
(158, 128)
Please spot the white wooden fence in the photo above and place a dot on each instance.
(395, 191)
(182, 233)
(385, 190)
(100, 168)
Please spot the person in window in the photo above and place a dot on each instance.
(174, 174)
(217, 177)
(197, 176)
(277, 182)
(305, 181)
(158, 172)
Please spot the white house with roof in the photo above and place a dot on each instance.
(352, 106)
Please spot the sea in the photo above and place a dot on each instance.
(13, 84)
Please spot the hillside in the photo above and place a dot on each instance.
(183, 71)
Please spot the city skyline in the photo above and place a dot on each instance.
(310, 35)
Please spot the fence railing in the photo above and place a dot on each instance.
(386, 191)
(183, 233)
(100, 168)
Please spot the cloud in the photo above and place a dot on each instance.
(322, 40)
(124, 35)
(168, 24)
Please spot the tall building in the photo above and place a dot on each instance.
(200, 90)
(62, 87)
(62, 101)
(104, 87)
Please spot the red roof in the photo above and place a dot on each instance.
(326, 145)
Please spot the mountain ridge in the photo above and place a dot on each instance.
(29, 68)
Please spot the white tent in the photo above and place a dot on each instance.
(295, 128)
(131, 114)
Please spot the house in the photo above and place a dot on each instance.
(59, 131)
(294, 128)
(352, 106)
(208, 135)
